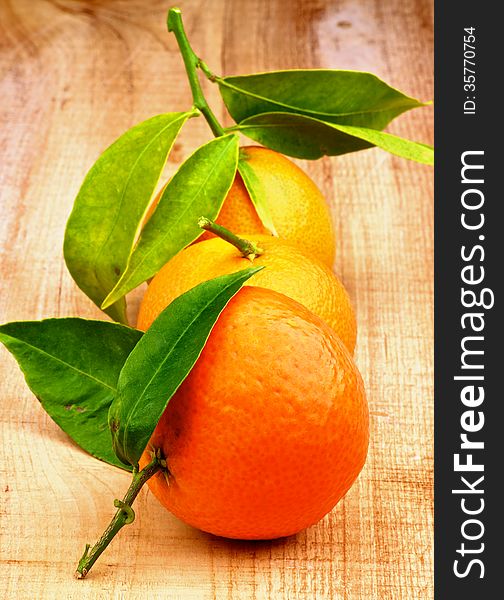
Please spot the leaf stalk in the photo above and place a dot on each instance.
(124, 515)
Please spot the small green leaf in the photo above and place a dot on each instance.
(344, 97)
(256, 192)
(72, 366)
(304, 137)
(162, 360)
(198, 188)
(111, 204)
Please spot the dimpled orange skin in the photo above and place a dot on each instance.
(270, 428)
(287, 270)
(297, 207)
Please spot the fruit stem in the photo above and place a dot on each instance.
(192, 62)
(124, 515)
(246, 247)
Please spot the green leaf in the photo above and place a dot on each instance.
(256, 192)
(198, 188)
(422, 153)
(111, 204)
(162, 360)
(72, 366)
(304, 137)
(344, 97)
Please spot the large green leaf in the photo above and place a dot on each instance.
(344, 97)
(72, 366)
(198, 188)
(162, 360)
(305, 137)
(111, 204)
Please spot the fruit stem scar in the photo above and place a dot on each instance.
(124, 515)
(192, 63)
(247, 248)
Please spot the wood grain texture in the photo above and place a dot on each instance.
(74, 75)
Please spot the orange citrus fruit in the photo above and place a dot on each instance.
(288, 270)
(270, 428)
(297, 207)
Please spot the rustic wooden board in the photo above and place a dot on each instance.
(74, 75)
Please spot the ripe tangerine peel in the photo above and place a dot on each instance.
(288, 271)
(270, 428)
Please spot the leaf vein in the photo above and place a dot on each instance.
(406, 101)
(59, 360)
(123, 193)
(160, 239)
(167, 357)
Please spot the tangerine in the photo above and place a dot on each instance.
(270, 428)
(288, 270)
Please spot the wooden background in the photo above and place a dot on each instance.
(74, 75)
